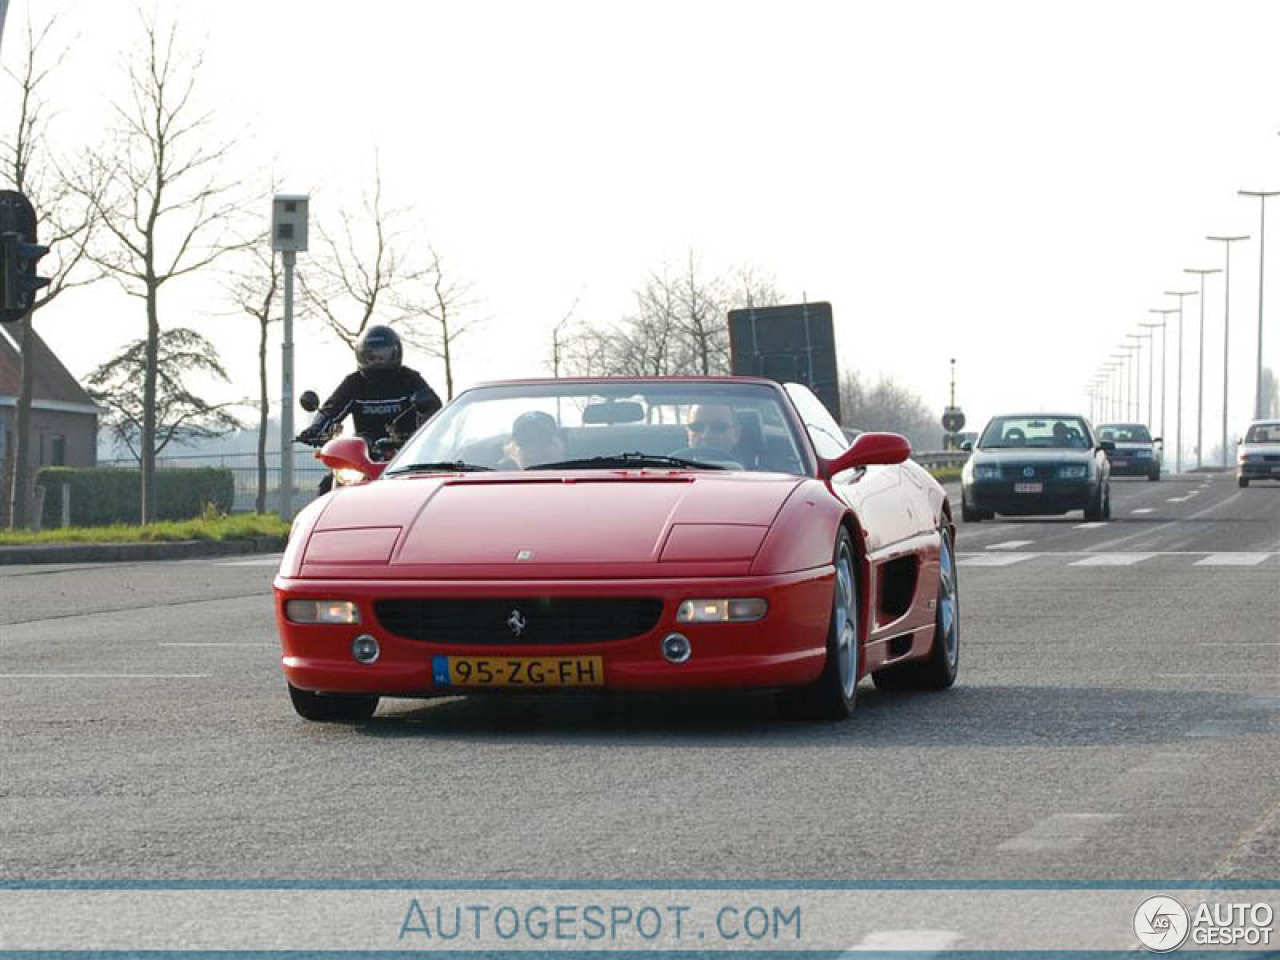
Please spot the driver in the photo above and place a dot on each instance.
(535, 439)
(712, 426)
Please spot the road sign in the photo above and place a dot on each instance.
(791, 343)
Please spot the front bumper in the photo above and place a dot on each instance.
(786, 648)
(1055, 496)
(1133, 466)
(1259, 470)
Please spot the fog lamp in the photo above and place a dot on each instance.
(365, 648)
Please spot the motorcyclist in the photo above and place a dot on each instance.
(380, 390)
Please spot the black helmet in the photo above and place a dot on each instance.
(379, 348)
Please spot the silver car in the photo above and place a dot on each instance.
(1258, 456)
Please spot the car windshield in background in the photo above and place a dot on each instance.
(1263, 433)
(1039, 432)
(609, 425)
(1124, 433)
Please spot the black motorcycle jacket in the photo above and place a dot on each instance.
(374, 398)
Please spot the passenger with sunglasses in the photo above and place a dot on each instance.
(712, 426)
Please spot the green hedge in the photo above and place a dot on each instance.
(106, 495)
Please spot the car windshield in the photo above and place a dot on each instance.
(1124, 433)
(610, 424)
(1263, 433)
(1065, 432)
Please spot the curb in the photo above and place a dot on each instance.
(136, 552)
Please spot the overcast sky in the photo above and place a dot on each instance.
(1010, 184)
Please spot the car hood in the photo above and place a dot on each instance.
(523, 526)
(1031, 455)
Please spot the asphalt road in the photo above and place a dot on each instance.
(1117, 718)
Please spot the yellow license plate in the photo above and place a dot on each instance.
(517, 671)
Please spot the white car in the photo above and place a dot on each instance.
(1258, 457)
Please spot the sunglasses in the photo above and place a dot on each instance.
(715, 426)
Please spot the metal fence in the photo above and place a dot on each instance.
(307, 474)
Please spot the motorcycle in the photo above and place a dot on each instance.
(399, 430)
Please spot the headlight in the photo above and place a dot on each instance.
(321, 611)
(347, 476)
(721, 611)
(986, 473)
(1074, 472)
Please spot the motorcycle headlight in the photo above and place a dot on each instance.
(986, 472)
(347, 476)
(1073, 472)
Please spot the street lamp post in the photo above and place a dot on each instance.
(1164, 358)
(1137, 403)
(1262, 196)
(1226, 336)
(1180, 294)
(1151, 371)
(1127, 354)
(1200, 369)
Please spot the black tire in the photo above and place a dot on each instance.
(938, 669)
(1154, 475)
(1242, 481)
(968, 514)
(833, 695)
(1099, 507)
(332, 707)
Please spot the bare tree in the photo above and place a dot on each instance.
(253, 290)
(177, 415)
(362, 272)
(443, 304)
(562, 336)
(65, 221)
(167, 211)
(888, 405)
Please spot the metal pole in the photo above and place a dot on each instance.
(286, 394)
(1164, 358)
(1226, 339)
(1262, 261)
(1200, 372)
(1180, 294)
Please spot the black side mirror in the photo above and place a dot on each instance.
(421, 399)
(967, 446)
(1158, 440)
(309, 401)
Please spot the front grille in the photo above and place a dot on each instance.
(520, 620)
(1016, 474)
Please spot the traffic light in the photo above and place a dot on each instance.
(18, 280)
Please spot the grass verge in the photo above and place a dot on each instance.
(241, 526)
(943, 474)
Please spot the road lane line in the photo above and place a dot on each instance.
(1063, 831)
(1009, 544)
(1178, 499)
(1092, 525)
(105, 676)
(1232, 560)
(917, 940)
(1145, 510)
(271, 560)
(994, 559)
(228, 644)
(1111, 560)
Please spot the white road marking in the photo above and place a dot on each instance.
(256, 644)
(994, 559)
(1112, 560)
(1009, 544)
(1232, 560)
(1145, 510)
(268, 560)
(908, 940)
(1091, 525)
(1179, 499)
(105, 676)
(1063, 831)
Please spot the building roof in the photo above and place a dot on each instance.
(53, 382)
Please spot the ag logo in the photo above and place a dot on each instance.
(1028, 472)
(1161, 924)
(517, 622)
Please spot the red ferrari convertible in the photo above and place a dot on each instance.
(621, 534)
